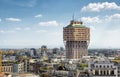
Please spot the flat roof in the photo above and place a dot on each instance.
(76, 26)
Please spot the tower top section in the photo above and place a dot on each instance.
(74, 23)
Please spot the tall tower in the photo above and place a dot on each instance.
(76, 37)
(44, 52)
(0, 61)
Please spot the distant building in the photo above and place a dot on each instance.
(43, 53)
(118, 71)
(8, 57)
(76, 37)
(18, 67)
(33, 52)
(7, 67)
(34, 67)
(26, 65)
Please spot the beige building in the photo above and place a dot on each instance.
(76, 37)
(7, 67)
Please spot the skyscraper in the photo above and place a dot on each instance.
(44, 52)
(33, 52)
(76, 37)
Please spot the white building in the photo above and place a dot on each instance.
(118, 70)
(103, 69)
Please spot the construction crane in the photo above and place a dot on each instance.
(0, 61)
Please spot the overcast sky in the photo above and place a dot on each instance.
(32, 23)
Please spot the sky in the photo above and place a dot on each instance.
(32, 23)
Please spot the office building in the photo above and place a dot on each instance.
(43, 53)
(33, 52)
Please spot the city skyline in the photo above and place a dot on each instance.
(32, 23)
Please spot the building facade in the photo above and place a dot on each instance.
(18, 67)
(7, 67)
(26, 65)
(33, 52)
(118, 70)
(76, 37)
(43, 54)
(103, 69)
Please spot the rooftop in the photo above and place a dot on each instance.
(76, 24)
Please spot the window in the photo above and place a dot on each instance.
(104, 66)
(112, 72)
(101, 72)
(96, 72)
(104, 72)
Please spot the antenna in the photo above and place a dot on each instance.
(73, 17)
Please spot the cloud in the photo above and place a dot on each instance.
(38, 16)
(57, 40)
(113, 17)
(18, 28)
(49, 23)
(110, 38)
(92, 28)
(13, 19)
(28, 3)
(41, 31)
(101, 19)
(2, 31)
(7, 31)
(107, 30)
(23, 3)
(11, 31)
(27, 28)
(0, 19)
(91, 19)
(97, 7)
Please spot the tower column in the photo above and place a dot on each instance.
(77, 38)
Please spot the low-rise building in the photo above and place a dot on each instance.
(118, 71)
(102, 69)
(26, 65)
(7, 67)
